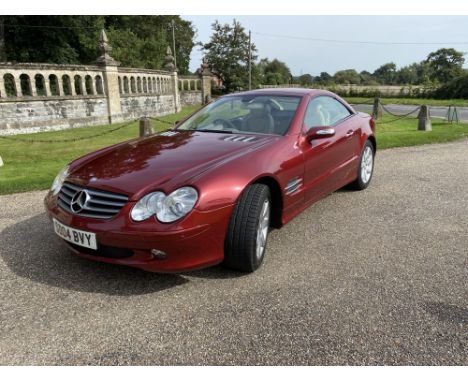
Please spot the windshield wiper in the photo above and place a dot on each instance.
(215, 131)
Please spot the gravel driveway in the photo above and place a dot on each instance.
(372, 277)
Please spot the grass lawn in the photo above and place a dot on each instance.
(412, 101)
(404, 132)
(33, 166)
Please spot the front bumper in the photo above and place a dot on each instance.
(197, 241)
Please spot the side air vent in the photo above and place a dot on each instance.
(293, 185)
(239, 138)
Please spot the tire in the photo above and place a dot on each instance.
(366, 167)
(247, 233)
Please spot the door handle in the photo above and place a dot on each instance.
(329, 131)
(349, 133)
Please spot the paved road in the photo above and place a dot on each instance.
(436, 111)
(372, 277)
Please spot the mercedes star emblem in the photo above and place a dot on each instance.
(79, 201)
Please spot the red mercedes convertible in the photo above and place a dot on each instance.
(209, 190)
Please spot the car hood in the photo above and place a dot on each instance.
(164, 161)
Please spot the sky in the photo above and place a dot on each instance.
(307, 56)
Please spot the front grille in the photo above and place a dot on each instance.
(100, 204)
(104, 251)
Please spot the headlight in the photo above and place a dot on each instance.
(59, 179)
(166, 208)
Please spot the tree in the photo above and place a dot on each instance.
(138, 41)
(141, 41)
(386, 73)
(277, 73)
(445, 64)
(227, 53)
(348, 76)
(455, 88)
(306, 80)
(367, 78)
(30, 38)
(323, 79)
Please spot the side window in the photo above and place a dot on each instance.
(324, 111)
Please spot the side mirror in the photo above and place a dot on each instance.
(320, 132)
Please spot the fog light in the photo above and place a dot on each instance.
(157, 254)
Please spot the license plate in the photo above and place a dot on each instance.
(75, 236)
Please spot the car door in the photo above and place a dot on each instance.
(327, 158)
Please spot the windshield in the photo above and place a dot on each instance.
(258, 114)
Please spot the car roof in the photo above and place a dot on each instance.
(284, 91)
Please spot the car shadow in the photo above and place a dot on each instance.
(31, 250)
(217, 272)
(447, 312)
(347, 188)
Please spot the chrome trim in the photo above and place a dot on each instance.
(325, 132)
(80, 201)
(293, 185)
(98, 204)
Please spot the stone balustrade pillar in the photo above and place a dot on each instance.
(80, 86)
(19, 92)
(47, 91)
(60, 86)
(3, 93)
(110, 79)
(92, 87)
(84, 91)
(32, 85)
(206, 82)
(171, 86)
(72, 84)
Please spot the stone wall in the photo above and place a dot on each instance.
(54, 114)
(193, 97)
(146, 105)
(190, 90)
(39, 97)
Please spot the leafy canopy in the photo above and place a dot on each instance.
(227, 53)
(137, 41)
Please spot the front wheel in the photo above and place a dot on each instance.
(248, 229)
(366, 167)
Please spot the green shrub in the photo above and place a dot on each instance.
(456, 88)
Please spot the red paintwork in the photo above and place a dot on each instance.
(220, 170)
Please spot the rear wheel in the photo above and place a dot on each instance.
(248, 229)
(366, 167)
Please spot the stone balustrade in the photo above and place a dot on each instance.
(37, 97)
(189, 83)
(20, 81)
(138, 81)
